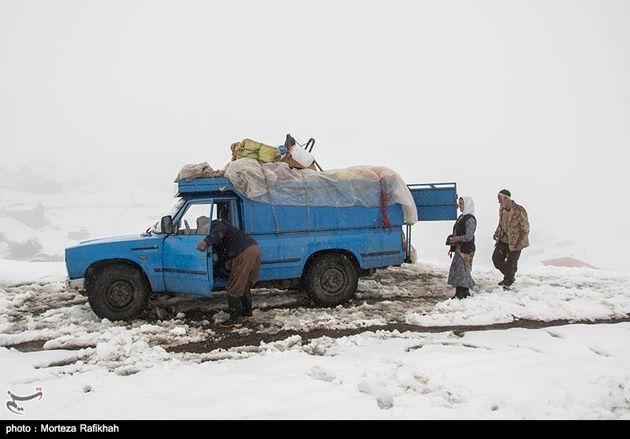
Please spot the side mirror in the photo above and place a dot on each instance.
(167, 224)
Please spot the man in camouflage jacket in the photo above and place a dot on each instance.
(511, 236)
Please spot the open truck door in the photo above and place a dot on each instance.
(435, 202)
(185, 269)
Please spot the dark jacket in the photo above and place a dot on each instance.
(466, 245)
(227, 240)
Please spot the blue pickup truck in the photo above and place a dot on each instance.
(322, 249)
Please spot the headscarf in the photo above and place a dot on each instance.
(469, 205)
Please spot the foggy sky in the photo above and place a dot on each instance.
(532, 96)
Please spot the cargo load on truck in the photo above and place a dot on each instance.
(292, 153)
(252, 149)
(278, 184)
(193, 171)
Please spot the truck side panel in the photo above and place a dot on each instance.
(262, 218)
(308, 230)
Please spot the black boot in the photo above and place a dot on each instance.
(235, 308)
(461, 293)
(246, 300)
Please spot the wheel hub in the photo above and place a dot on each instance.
(119, 294)
(332, 280)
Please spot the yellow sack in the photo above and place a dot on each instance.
(256, 150)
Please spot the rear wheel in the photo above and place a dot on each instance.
(331, 279)
(118, 292)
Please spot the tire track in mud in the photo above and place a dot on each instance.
(385, 286)
(229, 339)
(233, 339)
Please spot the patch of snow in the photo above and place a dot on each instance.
(547, 294)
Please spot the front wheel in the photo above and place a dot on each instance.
(119, 292)
(331, 279)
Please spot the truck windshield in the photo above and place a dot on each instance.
(157, 227)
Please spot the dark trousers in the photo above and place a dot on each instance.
(505, 261)
(244, 271)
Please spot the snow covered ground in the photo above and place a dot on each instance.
(87, 367)
(544, 293)
(558, 373)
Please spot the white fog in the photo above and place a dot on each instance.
(529, 96)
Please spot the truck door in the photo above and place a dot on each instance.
(435, 202)
(187, 270)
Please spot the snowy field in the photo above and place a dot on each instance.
(567, 372)
(85, 367)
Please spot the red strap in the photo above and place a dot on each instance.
(384, 203)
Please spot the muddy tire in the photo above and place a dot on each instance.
(119, 292)
(331, 279)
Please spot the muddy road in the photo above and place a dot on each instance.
(46, 316)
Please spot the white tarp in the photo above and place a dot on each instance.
(277, 183)
(198, 170)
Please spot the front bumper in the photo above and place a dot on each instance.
(76, 285)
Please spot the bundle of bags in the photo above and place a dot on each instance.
(198, 170)
(252, 149)
(289, 153)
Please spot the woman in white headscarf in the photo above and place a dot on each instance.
(462, 243)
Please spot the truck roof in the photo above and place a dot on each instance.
(202, 186)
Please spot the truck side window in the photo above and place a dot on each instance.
(195, 221)
(227, 210)
(222, 211)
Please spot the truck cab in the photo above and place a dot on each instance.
(322, 249)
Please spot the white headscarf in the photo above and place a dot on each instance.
(469, 205)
